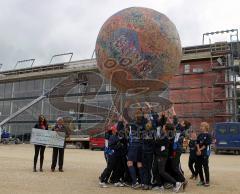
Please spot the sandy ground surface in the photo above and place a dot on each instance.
(82, 168)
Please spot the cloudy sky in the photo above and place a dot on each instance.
(41, 28)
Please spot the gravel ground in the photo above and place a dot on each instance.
(82, 168)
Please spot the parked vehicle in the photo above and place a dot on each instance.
(79, 141)
(97, 143)
(227, 137)
(6, 138)
(85, 139)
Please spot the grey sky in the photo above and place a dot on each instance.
(39, 29)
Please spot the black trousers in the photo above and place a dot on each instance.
(126, 176)
(176, 168)
(121, 171)
(58, 155)
(112, 163)
(118, 171)
(192, 165)
(147, 167)
(202, 163)
(160, 173)
(41, 149)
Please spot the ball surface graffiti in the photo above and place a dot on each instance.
(141, 42)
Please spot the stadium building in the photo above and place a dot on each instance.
(205, 88)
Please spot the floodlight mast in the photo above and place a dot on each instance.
(24, 61)
(62, 54)
(221, 32)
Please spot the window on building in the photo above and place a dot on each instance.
(92, 89)
(108, 87)
(186, 68)
(197, 70)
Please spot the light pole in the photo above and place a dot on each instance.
(220, 32)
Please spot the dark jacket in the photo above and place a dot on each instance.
(176, 146)
(120, 126)
(135, 134)
(192, 147)
(115, 146)
(61, 128)
(37, 126)
(154, 119)
(148, 141)
(162, 147)
(162, 121)
(204, 139)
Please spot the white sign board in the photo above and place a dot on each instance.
(46, 137)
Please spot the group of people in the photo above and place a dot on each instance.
(58, 153)
(146, 151)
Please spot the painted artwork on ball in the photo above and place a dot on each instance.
(138, 43)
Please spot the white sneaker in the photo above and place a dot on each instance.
(157, 188)
(102, 185)
(136, 186)
(177, 187)
(161, 189)
(118, 184)
(168, 186)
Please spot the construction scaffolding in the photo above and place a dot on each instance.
(206, 85)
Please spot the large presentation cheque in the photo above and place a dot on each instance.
(46, 137)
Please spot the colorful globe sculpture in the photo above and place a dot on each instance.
(138, 43)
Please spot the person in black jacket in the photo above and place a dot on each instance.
(42, 124)
(204, 141)
(58, 153)
(162, 120)
(161, 156)
(114, 158)
(147, 159)
(175, 152)
(135, 153)
(181, 131)
(192, 155)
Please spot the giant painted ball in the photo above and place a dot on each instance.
(138, 44)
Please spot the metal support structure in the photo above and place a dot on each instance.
(93, 54)
(63, 54)
(24, 61)
(112, 109)
(80, 101)
(219, 32)
(224, 51)
(43, 88)
(13, 115)
(11, 104)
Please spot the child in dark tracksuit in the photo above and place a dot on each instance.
(148, 149)
(161, 156)
(114, 157)
(204, 141)
(177, 148)
(134, 155)
(175, 155)
(192, 155)
(121, 170)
